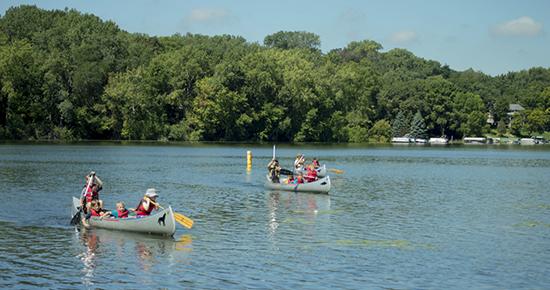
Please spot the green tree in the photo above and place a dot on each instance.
(380, 132)
(401, 125)
(538, 121)
(132, 109)
(469, 114)
(501, 128)
(418, 127)
(219, 112)
(65, 74)
(293, 39)
(23, 113)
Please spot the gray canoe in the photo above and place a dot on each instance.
(320, 186)
(160, 223)
(321, 171)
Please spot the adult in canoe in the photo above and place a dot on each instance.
(299, 161)
(148, 203)
(315, 163)
(91, 191)
(274, 170)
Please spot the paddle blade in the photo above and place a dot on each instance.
(76, 219)
(183, 220)
(337, 171)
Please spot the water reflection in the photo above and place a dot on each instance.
(144, 255)
(184, 243)
(291, 203)
(273, 206)
(125, 251)
(91, 242)
(248, 176)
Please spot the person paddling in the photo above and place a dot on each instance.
(299, 162)
(315, 163)
(148, 203)
(91, 190)
(274, 170)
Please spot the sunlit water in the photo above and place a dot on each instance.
(398, 217)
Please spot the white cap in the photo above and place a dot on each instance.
(151, 192)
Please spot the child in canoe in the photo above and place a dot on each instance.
(311, 174)
(96, 209)
(120, 212)
(299, 179)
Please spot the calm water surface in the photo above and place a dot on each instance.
(398, 217)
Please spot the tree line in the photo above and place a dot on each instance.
(69, 76)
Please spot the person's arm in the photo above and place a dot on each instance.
(98, 182)
(104, 214)
(146, 203)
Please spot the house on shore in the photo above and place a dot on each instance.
(513, 110)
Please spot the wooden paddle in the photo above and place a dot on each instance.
(337, 171)
(76, 218)
(183, 220)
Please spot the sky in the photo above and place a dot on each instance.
(491, 36)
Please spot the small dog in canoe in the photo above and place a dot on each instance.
(161, 220)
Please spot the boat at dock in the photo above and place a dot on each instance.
(438, 141)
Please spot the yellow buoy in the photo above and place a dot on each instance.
(248, 160)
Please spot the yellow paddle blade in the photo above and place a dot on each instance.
(183, 220)
(337, 171)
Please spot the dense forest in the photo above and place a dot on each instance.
(67, 75)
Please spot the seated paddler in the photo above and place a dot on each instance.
(274, 170)
(148, 203)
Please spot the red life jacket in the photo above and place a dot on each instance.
(300, 179)
(122, 214)
(311, 175)
(140, 210)
(95, 213)
(91, 195)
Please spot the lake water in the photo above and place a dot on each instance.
(468, 217)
